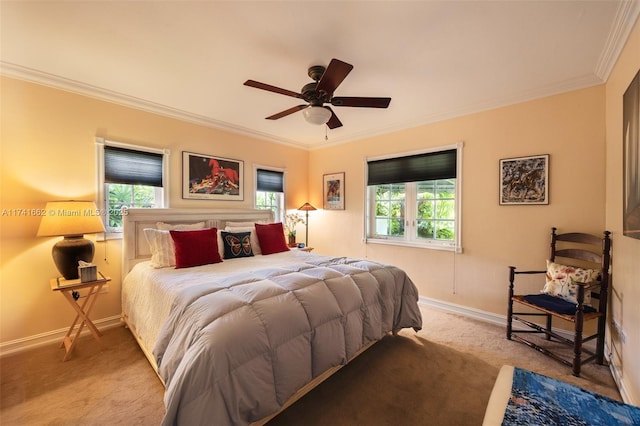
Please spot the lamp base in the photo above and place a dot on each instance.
(67, 252)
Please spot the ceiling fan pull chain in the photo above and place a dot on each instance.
(326, 136)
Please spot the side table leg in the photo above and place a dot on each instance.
(69, 341)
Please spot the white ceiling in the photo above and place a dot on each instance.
(435, 59)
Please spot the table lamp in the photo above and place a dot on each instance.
(71, 219)
(306, 207)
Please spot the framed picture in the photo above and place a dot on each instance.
(333, 190)
(206, 177)
(524, 180)
(631, 159)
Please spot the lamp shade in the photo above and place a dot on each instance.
(316, 115)
(306, 207)
(66, 218)
(71, 219)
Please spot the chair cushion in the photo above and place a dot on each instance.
(562, 279)
(555, 304)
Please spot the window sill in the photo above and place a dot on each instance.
(107, 236)
(412, 244)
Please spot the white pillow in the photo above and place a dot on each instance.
(179, 227)
(163, 254)
(255, 244)
(561, 281)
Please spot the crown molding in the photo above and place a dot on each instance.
(626, 17)
(50, 80)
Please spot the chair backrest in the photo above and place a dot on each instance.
(576, 248)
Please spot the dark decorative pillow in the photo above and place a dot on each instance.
(195, 248)
(237, 244)
(271, 238)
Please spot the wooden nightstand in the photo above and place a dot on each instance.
(69, 289)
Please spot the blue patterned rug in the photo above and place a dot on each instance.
(540, 400)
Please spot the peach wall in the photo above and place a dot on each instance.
(569, 127)
(625, 301)
(48, 152)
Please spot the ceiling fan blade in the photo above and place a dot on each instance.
(286, 112)
(333, 121)
(270, 88)
(360, 102)
(333, 76)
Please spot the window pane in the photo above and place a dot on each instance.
(131, 196)
(397, 209)
(446, 188)
(444, 230)
(382, 226)
(382, 208)
(445, 209)
(397, 227)
(271, 201)
(390, 209)
(426, 189)
(426, 229)
(435, 202)
(425, 209)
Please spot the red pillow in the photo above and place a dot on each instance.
(271, 238)
(194, 248)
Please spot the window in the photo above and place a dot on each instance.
(414, 199)
(270, 191)
(130, 177)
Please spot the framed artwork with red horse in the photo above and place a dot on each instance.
(205, 177)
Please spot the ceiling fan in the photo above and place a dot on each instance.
(319, 92)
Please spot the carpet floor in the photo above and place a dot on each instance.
(442, 375)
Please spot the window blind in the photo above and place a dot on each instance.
(128, 166)
(269, 180)
(413, 168)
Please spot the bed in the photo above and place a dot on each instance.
(237, 341)
(522, 397)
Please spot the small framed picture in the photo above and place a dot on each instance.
(206, 177)
(333, 190)
(524, 180)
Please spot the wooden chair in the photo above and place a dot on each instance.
(578, 267)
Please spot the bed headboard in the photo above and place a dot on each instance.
(135, 248)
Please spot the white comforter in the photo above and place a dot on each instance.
(232, 347)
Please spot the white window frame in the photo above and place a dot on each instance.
(101, 201)
(408, 239)
(281, 208)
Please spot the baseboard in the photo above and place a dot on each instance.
(485, 316)
(620, 383)
(478, 314)
(54, 336)
(501, 320)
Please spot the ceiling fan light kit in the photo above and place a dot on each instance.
(319, 92)
(316, 115)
